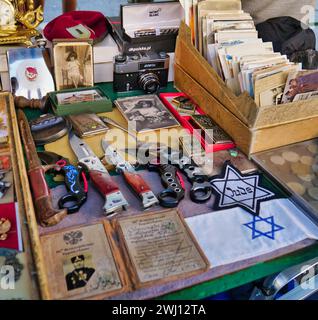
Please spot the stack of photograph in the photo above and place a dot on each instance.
(227, 37)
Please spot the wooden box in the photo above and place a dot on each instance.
(253, 129)
(28, 261)
(46, 245)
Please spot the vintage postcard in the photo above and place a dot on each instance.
(146, 113)
(267, 79)
(299, 83)
(306, 96)
(80, 263)
(75, 97)
(160, 247)
(271, 97)
(73, 65)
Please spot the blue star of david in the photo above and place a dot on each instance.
(234, 189)
(257, 232)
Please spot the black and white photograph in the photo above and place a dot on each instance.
(81, 271)
(73, 65)
(146, 113)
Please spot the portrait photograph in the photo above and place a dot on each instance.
(78, 270)
(78, 96)
(146, 113)
(300, 82)
(73, 65)
(272, 96)
(80, 263)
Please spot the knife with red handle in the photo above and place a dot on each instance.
(99, 176)
(133, 179)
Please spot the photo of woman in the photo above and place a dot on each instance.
(73, 69)
(73, 65)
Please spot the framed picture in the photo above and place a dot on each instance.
(80, 100)
(146, 113)
(78, 96)
(73, 64)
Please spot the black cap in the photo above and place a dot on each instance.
(78, 258)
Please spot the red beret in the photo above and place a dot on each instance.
(77, 25)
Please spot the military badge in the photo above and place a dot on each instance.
(31, 73)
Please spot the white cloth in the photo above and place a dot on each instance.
(225, 238)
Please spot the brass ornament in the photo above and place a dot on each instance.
(18, 21)
(5, 226)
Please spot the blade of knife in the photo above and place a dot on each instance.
(100, 177)
(114, 158)
(110, 153)
(80, 148)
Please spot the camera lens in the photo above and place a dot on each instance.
(149, 82)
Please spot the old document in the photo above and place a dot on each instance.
(160, 247)
(80, 263)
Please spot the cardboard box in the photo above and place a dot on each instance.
(151, 19)
(253, 129)
(104, 52)
(114, 26)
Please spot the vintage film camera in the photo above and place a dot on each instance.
(147, 71)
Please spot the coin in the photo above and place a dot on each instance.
(313, 193)
(306, 177)
(313, 148)
(297, 188)
(307, 160)
(300, 169)
(278, 160)
(291, 156)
